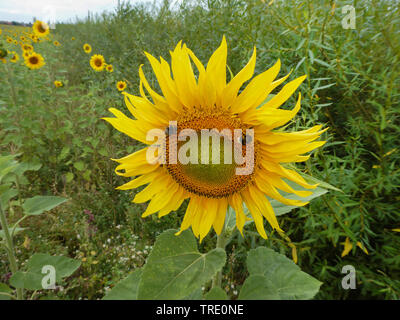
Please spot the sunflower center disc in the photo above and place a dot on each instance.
(202, 175)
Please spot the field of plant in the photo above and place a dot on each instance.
(58, 185)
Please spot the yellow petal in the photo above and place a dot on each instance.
(347, 247)
(231, 90)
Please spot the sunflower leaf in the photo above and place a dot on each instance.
(175, 267)
(275, 277)
(126, 289)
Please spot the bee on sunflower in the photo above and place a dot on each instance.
(34, 60)
(208, 102)
(97, 62)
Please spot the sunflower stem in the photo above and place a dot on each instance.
(221, 243)
(10, 246)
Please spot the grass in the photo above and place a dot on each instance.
(352, 87)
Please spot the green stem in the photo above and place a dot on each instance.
(10, 246)
(221, 243)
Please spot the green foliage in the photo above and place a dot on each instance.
(275, 277)
(175, 267)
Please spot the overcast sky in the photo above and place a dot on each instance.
(47, 10)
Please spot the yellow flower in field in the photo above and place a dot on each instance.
(109, 68)
(15, 42)
(9, 39)
(97, 62)
(203, 103)
(3, 60)
(14, 58)
(34, 60)
(73, 38)
(87, 48)
(26, 54)
(27, 47)
(41, 29)
(34, 38)
(58, 84)
(56, 43)
(121, 85)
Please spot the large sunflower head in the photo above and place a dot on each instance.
(241, 125)
(97, 62)
(41, 29)
(34, 60)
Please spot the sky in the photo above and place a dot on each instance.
(53, 10)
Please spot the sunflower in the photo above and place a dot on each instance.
(109, 68)
(3, 60)
(9, 39)
(97, 62)
(27, 47)
(56, 43)
(87, 48)
(14, 57)
(73, 38)
(34, 60)
(208, 102)
(58, 84)
(121, 85)
(41, 29)
(26, 54)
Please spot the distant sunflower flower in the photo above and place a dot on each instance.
(56, 43)
(58, 84)
(26, 54)
(73, 38)
(121, 85)
(97, 62)
(109, 68)
(15, 42)
(87, 48)
(41, 29)
(14, 57)
(9, 39)
(27, 47)
(34, 61)
(208, 102)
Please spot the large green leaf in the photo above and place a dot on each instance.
(280, 208)
(5, 291)
(39, 204)
(6, 194)
(32, 278)
(175, 267)
(64, 266)
(27, 280)
(126, 289)
(216, 293)
(275, 277)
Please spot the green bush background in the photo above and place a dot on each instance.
(352, 86)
